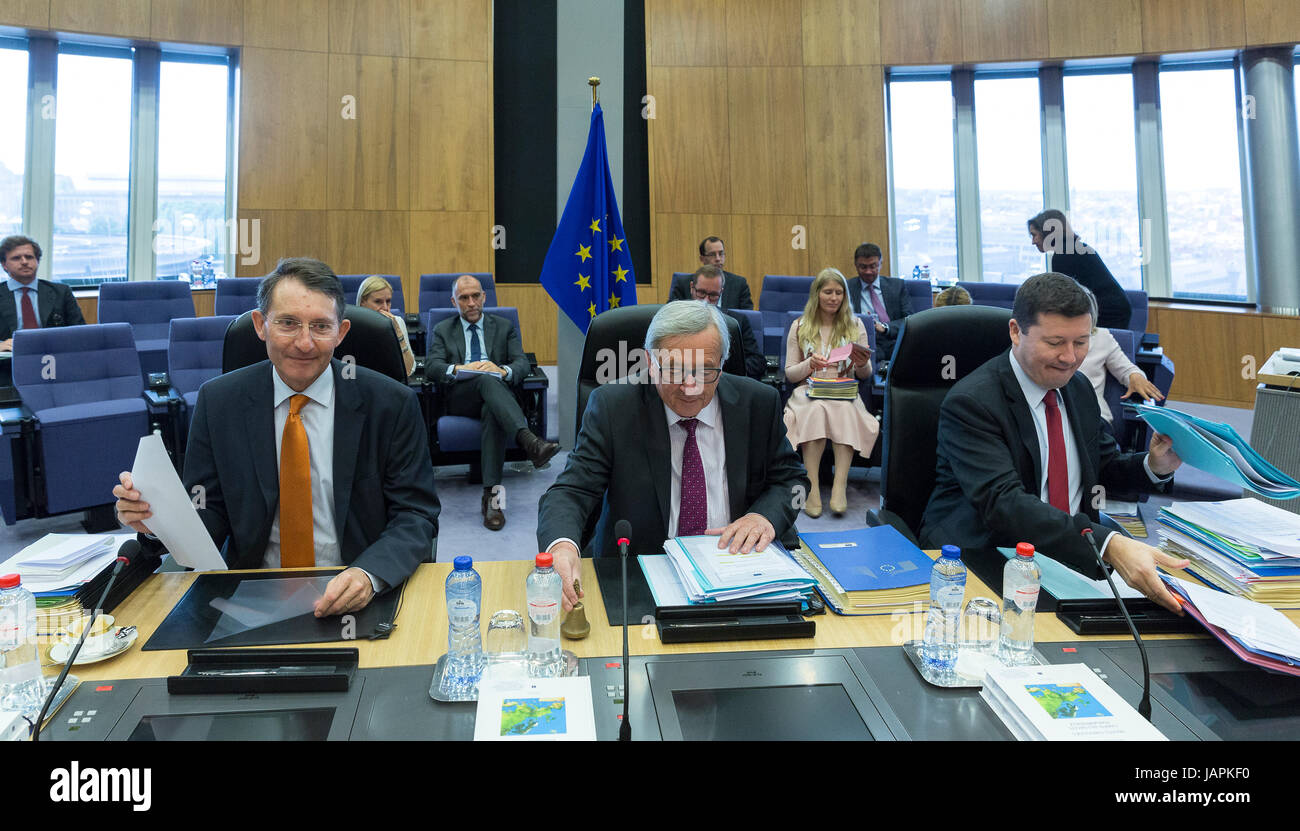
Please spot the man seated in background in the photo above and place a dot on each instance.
(735, 293)
(885, 297)
(299, 463)
(30, 303)
(708, 284)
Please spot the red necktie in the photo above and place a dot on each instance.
(693, 513)
(1058, 473)
(29, 311)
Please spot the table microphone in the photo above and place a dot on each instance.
(623, 531)
(1144, 706)
(126, 554)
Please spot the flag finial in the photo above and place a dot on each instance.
(593, 82)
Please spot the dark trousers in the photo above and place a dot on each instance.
(490, 400)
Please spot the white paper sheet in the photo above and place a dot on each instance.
(174, 520)
(1265, 627)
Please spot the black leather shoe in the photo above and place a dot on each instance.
(494, 519)
(539, 450)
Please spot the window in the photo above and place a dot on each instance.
(1010, 162)
(190, 221)
(1101, 156)
(13, 142)
(924, 208)
(1198, 115)
(92, 165)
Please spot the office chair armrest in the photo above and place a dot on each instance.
(15, 417)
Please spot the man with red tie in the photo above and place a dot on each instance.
(304, 461)
(998, 425)
(30, 303)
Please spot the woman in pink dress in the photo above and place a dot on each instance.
(827, 323)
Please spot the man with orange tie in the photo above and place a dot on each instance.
(305, 461)
(30, 303)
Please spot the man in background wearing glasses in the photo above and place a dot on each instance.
(680, 451)
(305, 461)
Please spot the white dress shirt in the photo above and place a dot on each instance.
(482, 343)
(713, 456)
(1106, 355)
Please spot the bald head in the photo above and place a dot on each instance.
(468, 296)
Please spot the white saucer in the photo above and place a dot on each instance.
(60, 651)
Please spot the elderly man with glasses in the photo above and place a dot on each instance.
(679, 451)
(304, 461)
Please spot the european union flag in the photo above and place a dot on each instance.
(588, 268)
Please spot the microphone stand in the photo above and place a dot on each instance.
(624, 729)
(1144, 706)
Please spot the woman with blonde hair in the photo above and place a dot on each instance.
(375, 293)
(827, 324)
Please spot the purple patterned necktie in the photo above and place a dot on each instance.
(693, 512)
(880, 306)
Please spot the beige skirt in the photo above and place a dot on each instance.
(842, 422)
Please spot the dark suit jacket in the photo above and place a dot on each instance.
(501, 343)
(735, 291)
(55, 306)
(989, 471)
(755, 362)
(898, 305)
(1113, 308)
(622, 456)
(385, 507)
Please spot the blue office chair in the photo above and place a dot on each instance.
(149, 307)
(998, 295)
(435, 289)
(236, 295)
(920, 293)
(780, 294)
(84, 388)
(194, 354)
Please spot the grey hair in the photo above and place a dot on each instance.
(686, 317)
(313, 274)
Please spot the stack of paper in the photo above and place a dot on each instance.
(866, 571)
(1219, 450)
(842, 388)
(1255, 633)
(709, 574)
(1062, 702)
(57, 565)
(1127, 515)
(1242, 546)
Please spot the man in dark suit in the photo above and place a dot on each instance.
(30, 303)
(301, 460)
(683, 450)
(885, 297)
(735, 292)
(708, 284)
(1023, 455)
(489, 345)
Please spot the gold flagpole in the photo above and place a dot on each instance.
(593, 82)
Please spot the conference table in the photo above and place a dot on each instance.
(894, 702)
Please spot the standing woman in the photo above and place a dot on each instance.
(828, 322)
(1051, 233)
(375, 293)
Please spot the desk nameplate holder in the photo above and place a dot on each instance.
(571, 668)
(732, 622)
(265, 671)
(912, 649)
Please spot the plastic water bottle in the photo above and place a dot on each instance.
(22, 689)
(544, 596)
(1020, 580)
(947, 589)
(464, 664)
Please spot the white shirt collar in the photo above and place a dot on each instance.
(1032, 391)
(710, 416)
(321, 390)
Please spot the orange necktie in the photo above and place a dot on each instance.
(296, 547)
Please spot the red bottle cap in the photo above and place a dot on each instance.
(8, 581)
(545, 560)
(1024, 549)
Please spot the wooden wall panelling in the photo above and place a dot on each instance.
(124, 18)
(287, 24)
(284, 107)
(1272, 21)
(686, 32)
(920, 31)
(368, 242)
(1186, 25)
(445, 241)
(198, 21)
(832, 239)
(761, 244)
(1093, 27)
(537, 318)
(1002, 30)
(369, 153)
(451, 29)
(843, 117)
(841, 32)
(1277, 332)
(676, 248)
(451, 147)
(764, 34)
(765, 119)
(205, 301)
(280, 234)
(34, 13)
(1207, 348)
(690, 140)
(89, 306)
(370, 27)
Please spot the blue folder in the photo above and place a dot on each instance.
(863, 559)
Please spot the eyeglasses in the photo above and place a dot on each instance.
(677, 374)
(706, 295)
(287, 327)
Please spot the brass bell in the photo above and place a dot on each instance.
(575, 626)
